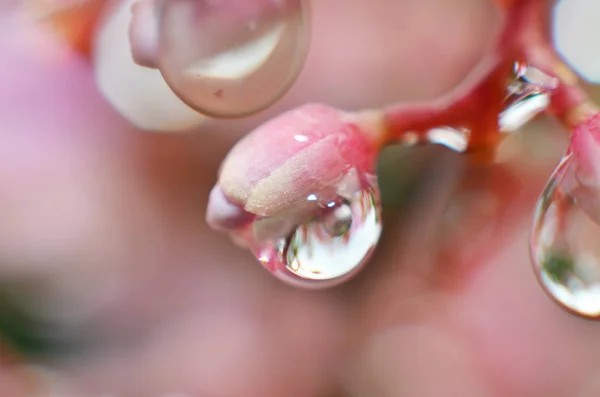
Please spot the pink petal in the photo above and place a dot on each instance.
(143, 33)
(294, 155)
(585, 144)
(224, 215)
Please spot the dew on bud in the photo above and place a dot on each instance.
(300, 193)
(564, 246)
(231, 58)
(329, 246)
(528, 95)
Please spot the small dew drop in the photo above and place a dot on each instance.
(251, 52)
(528, 95)
(565, 243)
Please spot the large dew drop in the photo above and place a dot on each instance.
(232, 58)
(329, 246)
(565, 243)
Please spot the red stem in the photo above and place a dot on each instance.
(524, 37)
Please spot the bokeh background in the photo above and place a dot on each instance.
(111, 284)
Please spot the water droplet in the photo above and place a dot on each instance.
(528, 95)
(329, 245)
(232, 58)
(565, 244)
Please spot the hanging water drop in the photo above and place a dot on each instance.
(232, 58)
(331, 244)
(528, 95)
(565, 243)
(300, 193)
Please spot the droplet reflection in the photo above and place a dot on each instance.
(335, 244)
(528, 95)
(329, 246)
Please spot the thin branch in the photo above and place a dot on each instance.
(476, 103)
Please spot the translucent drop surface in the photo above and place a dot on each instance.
(528, 95)
(231, 58)
(331, 244)
(565, 243)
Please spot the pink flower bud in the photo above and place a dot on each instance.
(304, 152)
(585, 148)
(221, 214)
(584, 158)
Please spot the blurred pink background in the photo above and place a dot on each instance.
(103, 242)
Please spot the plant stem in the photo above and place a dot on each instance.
(477, 101)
